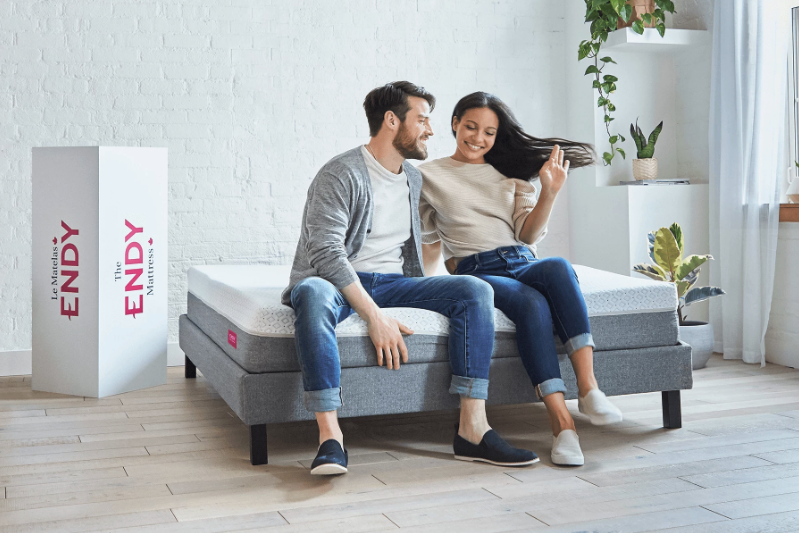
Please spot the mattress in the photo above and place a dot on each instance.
(238, 307)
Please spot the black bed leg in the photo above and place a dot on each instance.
(672, 415)
(258, 454)
(191, 370)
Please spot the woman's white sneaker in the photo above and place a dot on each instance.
(599, 409)
(566, 449)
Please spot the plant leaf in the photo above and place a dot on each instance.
(608, 11)
(608, 157)
(608, 119)
(661, 28)
(636, 138)
(682, 288)
(691, 263)
(692, 275)
(650, 271)
(650, 237)
(613, 139)
(597, 84)
(653, 137)
(618, 5)
(591, 70)
(638, 27)
(702, 293)
(621, 151)
(626, 12)
(610, 78)
(608, 59)
(676, 230)
(667, 253)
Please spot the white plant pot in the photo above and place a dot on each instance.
(645, 169)
(699, 335)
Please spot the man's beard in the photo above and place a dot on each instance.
(407, 145)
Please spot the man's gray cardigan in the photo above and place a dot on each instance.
(338, 217)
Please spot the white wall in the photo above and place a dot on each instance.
(250, 97)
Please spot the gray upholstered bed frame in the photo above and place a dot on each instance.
(272, 397)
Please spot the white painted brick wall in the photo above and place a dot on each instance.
(250, 97)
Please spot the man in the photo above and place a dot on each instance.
(360, 250)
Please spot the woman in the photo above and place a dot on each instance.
(480, 209)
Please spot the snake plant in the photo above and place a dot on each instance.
(645, 147)
(666, 251)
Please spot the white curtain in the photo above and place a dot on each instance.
(749, 79)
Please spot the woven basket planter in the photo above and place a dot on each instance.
(645, 169)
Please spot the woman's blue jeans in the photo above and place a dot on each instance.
(319, 307)
(537, 295)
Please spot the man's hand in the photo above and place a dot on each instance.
(553, 174)
(386, 334)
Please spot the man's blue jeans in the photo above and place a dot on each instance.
(319, 307)
(536, 294)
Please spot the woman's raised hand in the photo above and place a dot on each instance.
(553, 173)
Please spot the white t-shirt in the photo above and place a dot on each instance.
(472, 208)
(391, 220)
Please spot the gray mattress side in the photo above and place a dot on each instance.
(257, 354)
(277, 396)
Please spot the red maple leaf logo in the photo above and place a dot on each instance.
(150, 241)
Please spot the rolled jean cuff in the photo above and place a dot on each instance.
(320, 401)
(550, 386)
(469, 387)
(579, 341)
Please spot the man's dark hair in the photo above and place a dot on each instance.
(392, 97)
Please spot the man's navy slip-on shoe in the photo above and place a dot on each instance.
(493, 450)
(331, 459)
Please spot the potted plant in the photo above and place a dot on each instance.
(604, 16)
(646, 166)
(666, 250)
(640, 8)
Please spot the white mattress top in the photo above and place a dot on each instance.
(249, 297)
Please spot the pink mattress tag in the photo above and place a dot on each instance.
(231, 338)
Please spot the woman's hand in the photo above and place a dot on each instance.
(553, 174)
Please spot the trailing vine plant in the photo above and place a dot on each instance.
(603, 16)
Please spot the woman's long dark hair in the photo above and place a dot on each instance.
(517, 154)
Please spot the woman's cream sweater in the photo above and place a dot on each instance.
(472, 208)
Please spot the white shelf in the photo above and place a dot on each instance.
(674, 40)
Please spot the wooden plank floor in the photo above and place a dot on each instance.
(174, 458)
